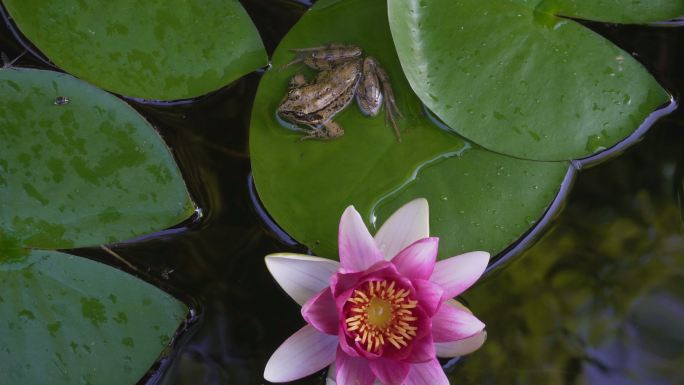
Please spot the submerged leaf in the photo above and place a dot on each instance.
(68, 320)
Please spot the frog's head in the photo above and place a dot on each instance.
(290, 108)
(291, 102)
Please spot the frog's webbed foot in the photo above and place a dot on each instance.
(327, 131)
(391, 110)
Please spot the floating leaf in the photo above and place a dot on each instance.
(79, 167)
(616, 11)
(305, 185)
(494, 200)
(164, 50)
(520, 81)
(69, 320)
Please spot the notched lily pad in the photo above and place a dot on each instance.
(79, 167)
(519, 80)
(306, 185)
(480, 200)
(161, 50)
(69, 320)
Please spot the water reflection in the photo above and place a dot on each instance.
(600, 300)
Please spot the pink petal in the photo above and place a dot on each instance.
(418, 259)
(453, 323)
(305, 352)
(351, 370)
(429, 295)
(357, 248)
(407, 225)
(423, 350)
(301, 276)
(456, 274)
(390, 372)
(428, 373)
(344, 281)
(346, 344)
(320, 312)
(424, 326)
(461, 347)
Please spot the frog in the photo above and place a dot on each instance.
(345, 74)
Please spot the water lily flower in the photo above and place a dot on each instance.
(385, 311)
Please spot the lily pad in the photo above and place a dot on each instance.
(79, 167)
(69, 320)
(162, 50)
(494, 200)
(616, 11)
(305, 185)
(520, 81)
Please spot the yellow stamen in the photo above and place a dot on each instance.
(381, 313)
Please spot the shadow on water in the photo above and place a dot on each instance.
(599, 300)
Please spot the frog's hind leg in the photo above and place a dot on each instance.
(326, 56)
(391, 110)
(368, 93)
(307, 59)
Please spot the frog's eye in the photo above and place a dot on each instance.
(294, 94)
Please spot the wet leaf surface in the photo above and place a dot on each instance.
(306, 185)
(518, 80)
(69, 320)
(80, 167)
(161, 50)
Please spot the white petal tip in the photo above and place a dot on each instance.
(301, 276)
(271, 373)
(408, 224)
(350, 210)
(475, 258)
(462, 347)
(304, 353)
(419, 202)
(479, 255)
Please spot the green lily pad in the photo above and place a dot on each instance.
(494, 200)
(520, 81)
(161, 50)
(306, 185)
(79, 167)
(616, 11)
(69, 320)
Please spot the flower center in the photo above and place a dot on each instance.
(379, 314)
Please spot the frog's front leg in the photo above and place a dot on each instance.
(325, 57)
(329, 130)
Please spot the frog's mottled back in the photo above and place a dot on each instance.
(343, 76)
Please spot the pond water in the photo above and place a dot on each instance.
(599, 300)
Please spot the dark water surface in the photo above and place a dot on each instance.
(600, 300)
